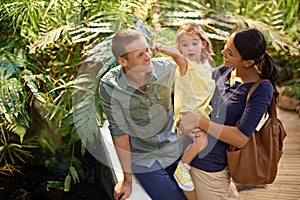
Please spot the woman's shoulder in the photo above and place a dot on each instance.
(265, 85)
(221, 70)
(263, 91)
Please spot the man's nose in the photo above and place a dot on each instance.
(147, 55)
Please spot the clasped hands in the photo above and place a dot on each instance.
(189, 124)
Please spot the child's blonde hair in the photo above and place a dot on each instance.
(190, 28)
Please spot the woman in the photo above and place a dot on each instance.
(245, 62)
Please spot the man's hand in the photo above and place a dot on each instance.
(122, 190)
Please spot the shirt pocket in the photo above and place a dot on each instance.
(163, 98)
(137, 114)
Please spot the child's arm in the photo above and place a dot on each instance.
(175, 53)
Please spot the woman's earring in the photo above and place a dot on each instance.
(256, 68)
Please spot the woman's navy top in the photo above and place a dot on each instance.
(228, 104)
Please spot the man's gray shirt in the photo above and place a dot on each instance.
(147, 116)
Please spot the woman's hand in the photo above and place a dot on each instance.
(196, 132)
(189, 124)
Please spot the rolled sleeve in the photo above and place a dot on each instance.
(117, 123)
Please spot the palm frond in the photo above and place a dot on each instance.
(48, 38)
(12, 104)
(31, 81)
(278, 40)
(86, 117)
(24, 16)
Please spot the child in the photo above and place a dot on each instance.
(194, 88)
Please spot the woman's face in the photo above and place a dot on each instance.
(232, 57)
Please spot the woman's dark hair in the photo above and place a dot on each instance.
(251, 45)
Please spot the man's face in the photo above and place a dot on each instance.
(138, 57)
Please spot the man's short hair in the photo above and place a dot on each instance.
(121, 39)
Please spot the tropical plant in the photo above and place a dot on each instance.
(14, 120)
(24, 17)
(39, 98)
(58, 44)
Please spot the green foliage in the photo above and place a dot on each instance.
(14, 120)
(290, 76)
(12, 105)
(219, 19)
(11, 152)
(23, 17)
(293, 88)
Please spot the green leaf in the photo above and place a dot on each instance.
(55, 184)
(74, 174)
(67, 183)
(19, 130)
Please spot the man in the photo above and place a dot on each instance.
(137, 99)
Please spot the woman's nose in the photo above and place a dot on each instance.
(223, 52)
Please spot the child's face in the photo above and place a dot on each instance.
(191, 46)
